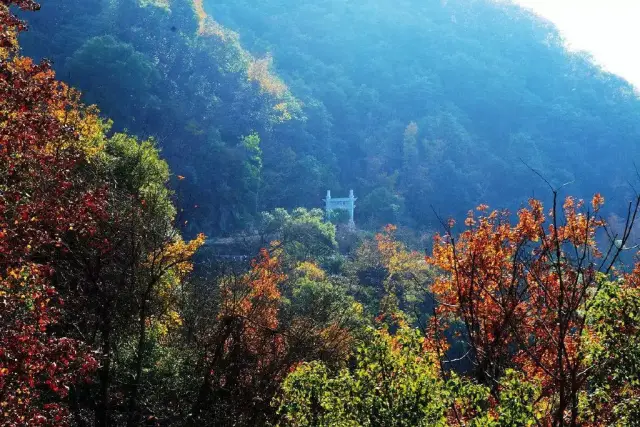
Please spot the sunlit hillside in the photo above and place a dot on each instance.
(330, 213)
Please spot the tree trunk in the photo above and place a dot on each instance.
(75, 407)
(104, 375)
(135, 385)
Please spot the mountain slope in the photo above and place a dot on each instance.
(167, 70)
(486, 84)
(413, 104)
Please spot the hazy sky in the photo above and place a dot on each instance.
(608, 29)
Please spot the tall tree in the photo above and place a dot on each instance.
(522, 293)
(46, 138)
(86, 220)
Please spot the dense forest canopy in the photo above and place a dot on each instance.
(485, 83)
(397, 100)
(169, 72)
(234, 118)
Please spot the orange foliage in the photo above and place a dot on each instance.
(394, 256)
(249, 313)
(206, 25)
(259, 71)
(256, 296)
(520, 292)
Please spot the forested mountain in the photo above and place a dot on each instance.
(486, 83)
(167, 71)
(410, 103)
(109, 317)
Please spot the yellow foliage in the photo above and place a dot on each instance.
(283, 112)
(174, 261)
(179, 253)
(175, 318)
(311, 271)
(162, 4)
(276, 249)
(357, 308)
(258, 71)
(199, 9)
(67, 108)
(209, 27)
(165, 323)
(395, 257)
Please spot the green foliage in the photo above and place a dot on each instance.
(381, 206)
(137, 165)
(253, 166)
(440, 126)
(389, 279)
(614, 354)
(122, 282)
(338, 216)
(516, 400)
(391, 384)
(117, 74)
(254, 163)
(315, 300)
(200, 76)
(303, 235)
(395, 381)
(405, 129)
(164, 69)
(313, 295)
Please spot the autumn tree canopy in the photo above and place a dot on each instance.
(109, 317)
(523, 294)
(86, 224)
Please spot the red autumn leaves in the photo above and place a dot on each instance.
(40, 197)
(520, 293)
